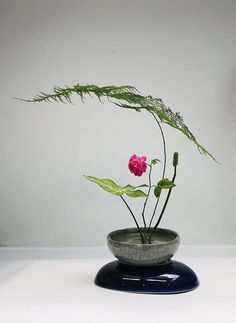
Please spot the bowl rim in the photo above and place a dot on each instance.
(176, 239)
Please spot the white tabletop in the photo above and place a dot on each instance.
(62, 291)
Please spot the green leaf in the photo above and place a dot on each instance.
(165, 184)
(127, 187)
(155, 161)
(136, 193)
(110, 186)
(157, 191)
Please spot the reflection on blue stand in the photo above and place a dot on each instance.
(169, 278)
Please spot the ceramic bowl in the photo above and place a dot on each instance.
(126, 247)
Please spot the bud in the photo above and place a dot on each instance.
(175, 159)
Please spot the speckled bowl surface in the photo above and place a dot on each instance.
(126, 247)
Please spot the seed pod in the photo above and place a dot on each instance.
(175, 159)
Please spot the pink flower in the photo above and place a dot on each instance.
(137, 165)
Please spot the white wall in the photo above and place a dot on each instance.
(183, 51)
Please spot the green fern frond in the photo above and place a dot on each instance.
(127, 97)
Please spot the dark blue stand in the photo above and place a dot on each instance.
(169, 278)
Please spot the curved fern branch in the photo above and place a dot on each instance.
(127, 97)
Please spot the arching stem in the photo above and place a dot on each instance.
(164, 165)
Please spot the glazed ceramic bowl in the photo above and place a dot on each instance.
(126, 247)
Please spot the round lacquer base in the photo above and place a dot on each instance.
(170, 278)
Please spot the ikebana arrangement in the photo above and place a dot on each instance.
(146, 246)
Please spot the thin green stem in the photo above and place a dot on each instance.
(164, 165)
(136, 222)
(146, 200)
(164, 206)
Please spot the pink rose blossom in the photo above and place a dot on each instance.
(137, 165)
